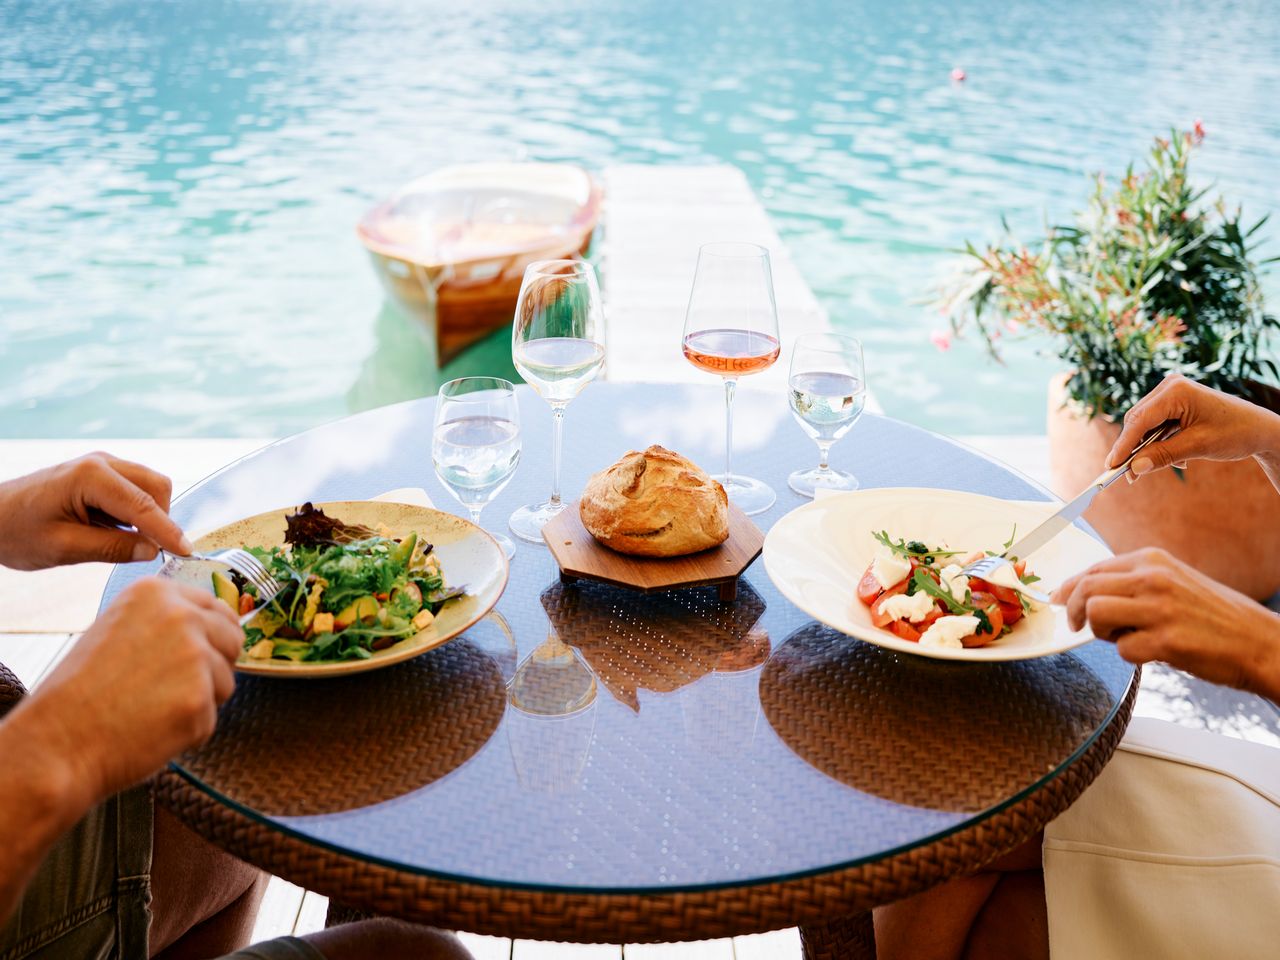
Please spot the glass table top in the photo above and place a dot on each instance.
(586, 736)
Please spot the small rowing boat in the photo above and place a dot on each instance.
(451, 247)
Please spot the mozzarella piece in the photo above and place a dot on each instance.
(948, 631)
(889, 569)
(953, 581)
(914, 608)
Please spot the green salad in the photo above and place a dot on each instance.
(349, 591)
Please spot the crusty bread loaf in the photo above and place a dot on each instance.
(655, 504)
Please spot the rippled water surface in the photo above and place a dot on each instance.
(179, 182)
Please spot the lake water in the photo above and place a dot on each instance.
(179, 181)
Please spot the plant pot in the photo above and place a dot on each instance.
(1222, 518)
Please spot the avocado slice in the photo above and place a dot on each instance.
(365, 606)
(226, 591)
(402, 553)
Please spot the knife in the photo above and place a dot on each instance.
(1071, 512)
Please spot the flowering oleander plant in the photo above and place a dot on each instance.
(1150, 280)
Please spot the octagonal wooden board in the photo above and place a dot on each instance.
(582, 557)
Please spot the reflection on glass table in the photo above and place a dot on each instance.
(552, 716)
(657, 641)
(721, 709)
(279, 755)
(906, 729)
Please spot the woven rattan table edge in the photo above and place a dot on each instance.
(587, 917)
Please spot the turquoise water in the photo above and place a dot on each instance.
(179, 182)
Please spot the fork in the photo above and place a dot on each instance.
(986, 568)
(244, 563)
(239, 560)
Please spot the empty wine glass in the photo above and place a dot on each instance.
(557, 344)
(827, 391)
(731, 329)
(476, 442)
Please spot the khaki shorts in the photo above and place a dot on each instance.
(91, 898)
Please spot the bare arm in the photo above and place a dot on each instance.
(142, 685)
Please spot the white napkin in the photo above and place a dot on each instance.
(414, 495)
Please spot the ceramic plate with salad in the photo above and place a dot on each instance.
(367, 584)
(884, 566)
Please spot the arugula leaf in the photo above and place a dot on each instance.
(921, 580)
(913, 548)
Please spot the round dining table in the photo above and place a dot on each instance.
(594, 764)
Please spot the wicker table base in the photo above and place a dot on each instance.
(818, 904)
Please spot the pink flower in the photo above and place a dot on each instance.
(941, 339)
(1197, 130)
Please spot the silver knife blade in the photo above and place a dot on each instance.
(1071, 512)
(1042, 534)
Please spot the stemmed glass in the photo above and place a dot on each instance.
(827, 391)
(476, 442)
(557, 344)
(731, 329)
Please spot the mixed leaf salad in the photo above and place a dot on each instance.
(920, 593)
(348, 591)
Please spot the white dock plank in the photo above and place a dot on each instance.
(656, 217)
(539, 950)
(486, 948)
(696, 950)
(775, 945)
(184, 461)
(279, 910)
(311, 915)
(29, 655)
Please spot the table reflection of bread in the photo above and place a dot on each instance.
(657, 641)
(655, 504)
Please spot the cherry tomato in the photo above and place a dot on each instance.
(868, 588)
(1011, 612)
(991, 607)
(1020, 568)
(1003, 594)
(878, 616)
(905, 630)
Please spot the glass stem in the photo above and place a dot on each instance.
(557, 442)
(474, 510)
(730, 384)
(824, 453)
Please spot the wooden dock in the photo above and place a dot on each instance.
(655, 218)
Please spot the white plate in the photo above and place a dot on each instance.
(468, 556)
(816, 555)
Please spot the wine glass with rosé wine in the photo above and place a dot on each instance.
(731, 329)
(557, 344)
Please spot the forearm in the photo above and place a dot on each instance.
(41, 797)
(1270, 463)
(1261, 667)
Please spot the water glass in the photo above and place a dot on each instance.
(557, 344)
(731, 329)
(827, 392)
(475, 446)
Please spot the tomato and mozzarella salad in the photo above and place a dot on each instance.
(920, 593)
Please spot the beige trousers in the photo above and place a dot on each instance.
(1174, 851)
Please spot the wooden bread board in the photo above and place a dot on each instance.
(582, 557)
